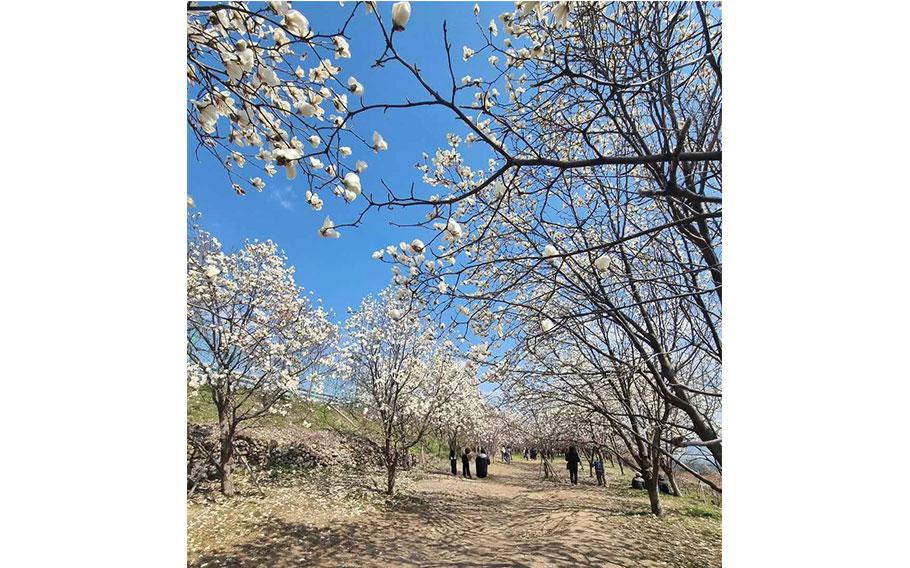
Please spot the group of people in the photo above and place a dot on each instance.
(638, 482)
(572, 461)
(481, 463)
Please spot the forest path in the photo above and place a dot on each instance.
(511, 518)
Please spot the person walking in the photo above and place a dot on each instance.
(572, 461)
(453, 461)
(599, 470)
(466, 463)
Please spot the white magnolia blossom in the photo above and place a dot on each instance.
(328, 229)
(351, 186)
(379, 142)
(550, 253)
(314, 200)
(355, 86)
(602, 263)
(342, 49)
(401, 13)
(296, 23)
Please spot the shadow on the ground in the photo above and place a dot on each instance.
(532, 524)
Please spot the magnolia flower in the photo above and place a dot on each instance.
(547, 324)
(328, 229)
(395, 313)
(493, 29)
(351, 186)
(401, 13)
(476, 8)
(360, 166)
(314, 200)
(466, 53)
(283, 155)
(314, 141)
(443, 286)
(342, 49)
(354, 86)
(417, 246)
(305, 108)
(602, 263)
(377, 255)
(296, 23)
(245, 55)
(493, 60)
(279, 7)
(211, 271)
(316, 163)
(561, 14)
(527, 7)
(378, 142)
(550, 251)
(268, 76)
(341, 103)
(452, 231)
(258, 183)
(345, 151)
(189, 201)
(290, 170)
(369, 6)
(238, 190)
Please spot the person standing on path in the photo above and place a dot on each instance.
(572, 461)
(599, 470)
(466, 463)
(481, 464)
(453, 461)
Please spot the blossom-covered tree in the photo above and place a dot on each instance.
(463, 414)
(399, 378)
(251, 335)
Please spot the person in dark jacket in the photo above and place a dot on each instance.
(481, 464)
(599, 470)
(662, 484)
(638, 482)
(453, 461)
(572, 461)
(466, 463)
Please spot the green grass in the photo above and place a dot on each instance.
(201, 410)
(702, 512)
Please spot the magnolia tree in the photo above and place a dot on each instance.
(400, 379)
(463, 414)
(251, 335)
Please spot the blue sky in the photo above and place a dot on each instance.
(340, 271)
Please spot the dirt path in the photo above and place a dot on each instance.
(509, 519)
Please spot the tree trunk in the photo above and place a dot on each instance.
(654, 495)
(226, 457)
(673, 487)
(391, 467)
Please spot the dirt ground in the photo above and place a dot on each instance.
(509, 519)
